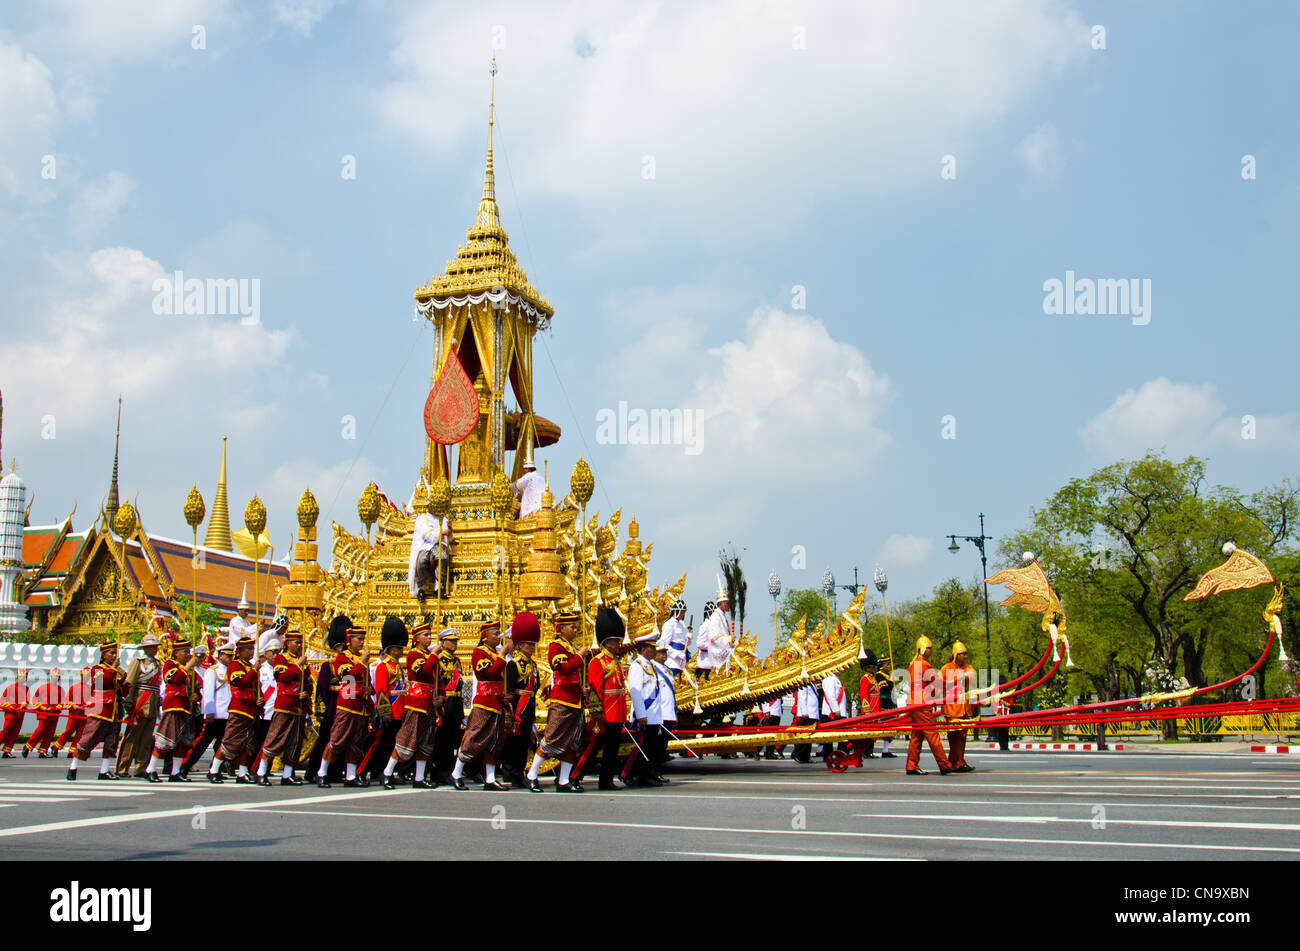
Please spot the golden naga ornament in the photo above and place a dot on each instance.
(255, 516)
(194, 508)
(501, 494)
(368, 505)
(308, 510)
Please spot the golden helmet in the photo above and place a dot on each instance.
(923, 644)
(958, 648)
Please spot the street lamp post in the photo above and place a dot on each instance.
(978, 541)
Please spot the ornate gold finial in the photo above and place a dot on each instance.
(420, 500)
(501, 493)
(368, 505)
(440, 497)
(218, 536)
(633, 529)
(582, 483)
(308, 510)
(255, 516)
(124, 521)
(194, 508)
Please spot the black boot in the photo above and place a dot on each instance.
(534, 785)
(153, 777)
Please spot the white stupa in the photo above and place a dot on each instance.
(13, 497)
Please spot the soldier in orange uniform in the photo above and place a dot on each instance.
(923, 690)
(565, 716)
(390, 691)
(74, 699)
(245, 699)
(351, 726)
(485, 733)
(605, 675)
(415, 735)
(46, 699)
(292, 697)
(180, 687)
(106, 686)
(13, 700)
(958, 681)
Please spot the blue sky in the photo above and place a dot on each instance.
(792, 145)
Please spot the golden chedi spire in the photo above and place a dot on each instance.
(218, 536)
(485, 262)
(542, 579)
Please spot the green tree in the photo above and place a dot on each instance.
(797, 603)
(208, 616)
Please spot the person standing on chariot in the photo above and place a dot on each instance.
(675, 638)
(715, 634)
(703, 659)
(958, 681)
(431, 540)
(528, 488)
(924, 695)
(241, 625)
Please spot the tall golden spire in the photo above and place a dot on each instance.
(489, 215)
(218, 536)
(110, 509)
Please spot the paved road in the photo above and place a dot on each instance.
(1131, 805)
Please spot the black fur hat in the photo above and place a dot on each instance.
(608, 624)
(393, 633)
(338, 634)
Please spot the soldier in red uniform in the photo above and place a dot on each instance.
(390, 690)
(351, 726)
(958, 682)
(106, 686)
(175, 721)
(521, 696)
(485, 732)
(74, 700)
(605, 675)
(244, 683)
(415, 735)
(565, 715)
(284, 735)
(449, 704)
(13, 700)
(47, 699)
(924, 690)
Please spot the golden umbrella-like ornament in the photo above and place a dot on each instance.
(368, 512)
(255, 522)
(194, 511)
(124, 522)
(308, 512)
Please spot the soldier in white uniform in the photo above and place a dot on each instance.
(644, 687)
(807, 711)
(715, 633)
(834, 704)
(675, 638)
(703, 659)
(667, 704)
(772, 710)
(431, 540)
(241, 625)
(528, 489)
(215, 708)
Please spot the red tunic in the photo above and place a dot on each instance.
(354, 682)
(244, 683)
(105, 682)
(489, 676)
(923, 678)
(605, 674)
(566, 674)
(290, 680)
(389, 683)
(422, 680)
(957, 682)
(178, 688)
(45, 698)
(75, 695)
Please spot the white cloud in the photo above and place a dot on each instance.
(98, 202)
(302, 15)
(722, 99)
(29, 116)
(1041, 153)
(1182, 418)
(903, 551)
(90, 32)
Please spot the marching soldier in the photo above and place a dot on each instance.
(46, 699)
(772, 710)
(179, 686)
(327, 691)
(449, 703)
(351, 726)
(215, 707)
(13, 699)
(521, 696)
(667, 707)
(643, 688)
(922, 678)
(245, 692)
(958, 681)
(75, 699)
(875, 691)
(806, 712)
(142, 708)
(565, 717)
(485, 730)
(390, 690)
(106, 687)
(415, 735)
(284, 735)
(605, 675)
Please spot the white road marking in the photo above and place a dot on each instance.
(945, 782)
(928, 838)
(1176, 823)
(787, 857)
(21, 800)
(778, 797)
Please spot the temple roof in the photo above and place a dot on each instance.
(485, 262)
